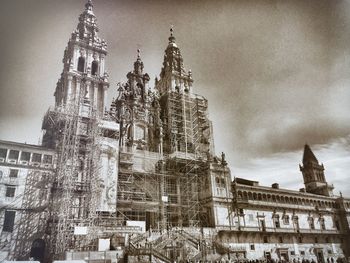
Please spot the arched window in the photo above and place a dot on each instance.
(94, 68)
(81, 64)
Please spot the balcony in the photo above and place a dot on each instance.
(318, 231)
(277, 230)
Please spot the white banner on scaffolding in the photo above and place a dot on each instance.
(80, 230)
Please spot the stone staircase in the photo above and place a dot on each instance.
(158, 245)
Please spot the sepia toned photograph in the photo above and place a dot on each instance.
(175, 131)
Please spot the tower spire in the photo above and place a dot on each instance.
(138, 65)
(308, 155)
(172, 38)
(173, 75)
(89, 6)
(138, 54)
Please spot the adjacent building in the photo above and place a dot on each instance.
(277, 223)
(24, 169)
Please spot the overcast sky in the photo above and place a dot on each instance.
(276, 73)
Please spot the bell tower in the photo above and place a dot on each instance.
(173, 76)
(313, 174)
(184, 114)
(84, 66)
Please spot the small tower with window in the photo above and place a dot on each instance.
(313, 173)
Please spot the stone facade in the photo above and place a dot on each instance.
(142, 178)
(22, 167)
(281, 223)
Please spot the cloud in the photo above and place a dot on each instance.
(283, 167)
(276, 73)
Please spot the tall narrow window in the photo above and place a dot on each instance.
(337, 224)
(81, 64)
(9, 221)
(94, 68)
(266, 240)
(311, 222)
(276, 220)
(13, 173)
(322, 224)
(262, 224)
(10, 191)
(3, 153)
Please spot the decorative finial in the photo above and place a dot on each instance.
(89, 5)
(172, 38)
(138, 53)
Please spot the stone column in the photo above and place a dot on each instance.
(69, 93)
(77, 89)
(95, 92)
(102, 65)
(104, 98)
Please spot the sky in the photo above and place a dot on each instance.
(276, 73)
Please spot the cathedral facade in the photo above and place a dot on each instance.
(139, 180)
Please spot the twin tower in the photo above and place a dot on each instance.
(146, 113)
(148, 162)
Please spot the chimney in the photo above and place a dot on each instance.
(275, 186)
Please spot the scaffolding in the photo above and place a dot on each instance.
(34, 213)
(75, 189)
(32, 208)
(167, 192)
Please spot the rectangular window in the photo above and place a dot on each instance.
(25, 156)
(3, 153)
(292, 253)
(13, 173)
(13, 154)
(312, 223)
(252, 247)
(337, 225)
(36, 158)
(266, 239)
(277, 222)
(280, 239)
(9, 221)
(262, 224)
(302, 252)
(47, 159)
(10, 191)
(223, 184)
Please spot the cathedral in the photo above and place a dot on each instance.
(139, 180)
